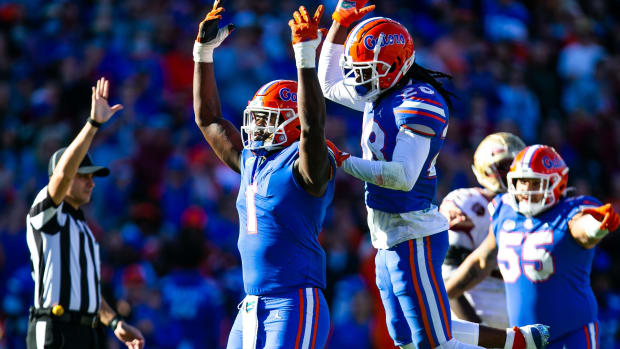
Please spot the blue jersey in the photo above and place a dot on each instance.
(546, 272)
(419, 108)
(279, 224)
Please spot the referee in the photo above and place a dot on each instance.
(65, 256)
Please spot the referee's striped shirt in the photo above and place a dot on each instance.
(64, 256)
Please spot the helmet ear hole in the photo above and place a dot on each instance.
(393, 67)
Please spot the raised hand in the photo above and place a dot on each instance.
(306, 36)
(304, 28)
(349, 11)
(609, 218)
(100, 110)
(210, 35)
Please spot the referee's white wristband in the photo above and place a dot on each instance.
(305, 54)
(593, 227)
(203, 53)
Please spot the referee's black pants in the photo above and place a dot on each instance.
(47, 333)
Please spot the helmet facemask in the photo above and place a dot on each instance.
(363, 79)
(546, 186)
(264, 127)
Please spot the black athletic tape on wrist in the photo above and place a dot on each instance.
(114, 322)
(94, 122)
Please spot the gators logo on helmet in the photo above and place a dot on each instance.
(378, 52)
(270, 120)
(546, 167)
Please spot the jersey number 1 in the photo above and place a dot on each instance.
(250, 208)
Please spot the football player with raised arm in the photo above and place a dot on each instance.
(406, 112)
(466, 210)
(286, 185)
(543, 242)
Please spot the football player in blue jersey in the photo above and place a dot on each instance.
(406, 112)
(286, 185)
(543, 242)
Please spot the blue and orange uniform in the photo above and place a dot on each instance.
(282, 260)
(546, 272)
(409, 232)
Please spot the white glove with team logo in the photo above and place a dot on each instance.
(209, 35)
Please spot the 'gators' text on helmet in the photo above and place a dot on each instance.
(378, 52)
(270, 120)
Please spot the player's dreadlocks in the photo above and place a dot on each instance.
(419, 73)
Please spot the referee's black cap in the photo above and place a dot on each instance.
(86, 166)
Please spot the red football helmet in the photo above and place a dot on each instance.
(538, 162)
(270, 120)
(379, 52)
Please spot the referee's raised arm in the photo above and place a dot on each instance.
(67, 166)
(66, 267)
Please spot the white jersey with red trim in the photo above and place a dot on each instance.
(488, 297)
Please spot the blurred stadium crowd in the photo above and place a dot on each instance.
(548, 71)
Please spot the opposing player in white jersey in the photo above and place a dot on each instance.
(406, 112)
(466, 210)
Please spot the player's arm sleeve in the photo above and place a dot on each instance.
(402, 172)
(43, 212)
(331, 79)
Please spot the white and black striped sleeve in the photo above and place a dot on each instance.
(43, 213)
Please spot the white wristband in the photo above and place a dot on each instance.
(510, 338)
(203, 52)
(593, 227)
(305, 54)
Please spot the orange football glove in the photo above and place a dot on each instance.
(349, 11)
(302, 27)
(208, 29)
(606, 213)
(339, 155)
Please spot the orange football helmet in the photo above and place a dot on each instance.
(377, 53)
(538, 162)
(270, 120)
